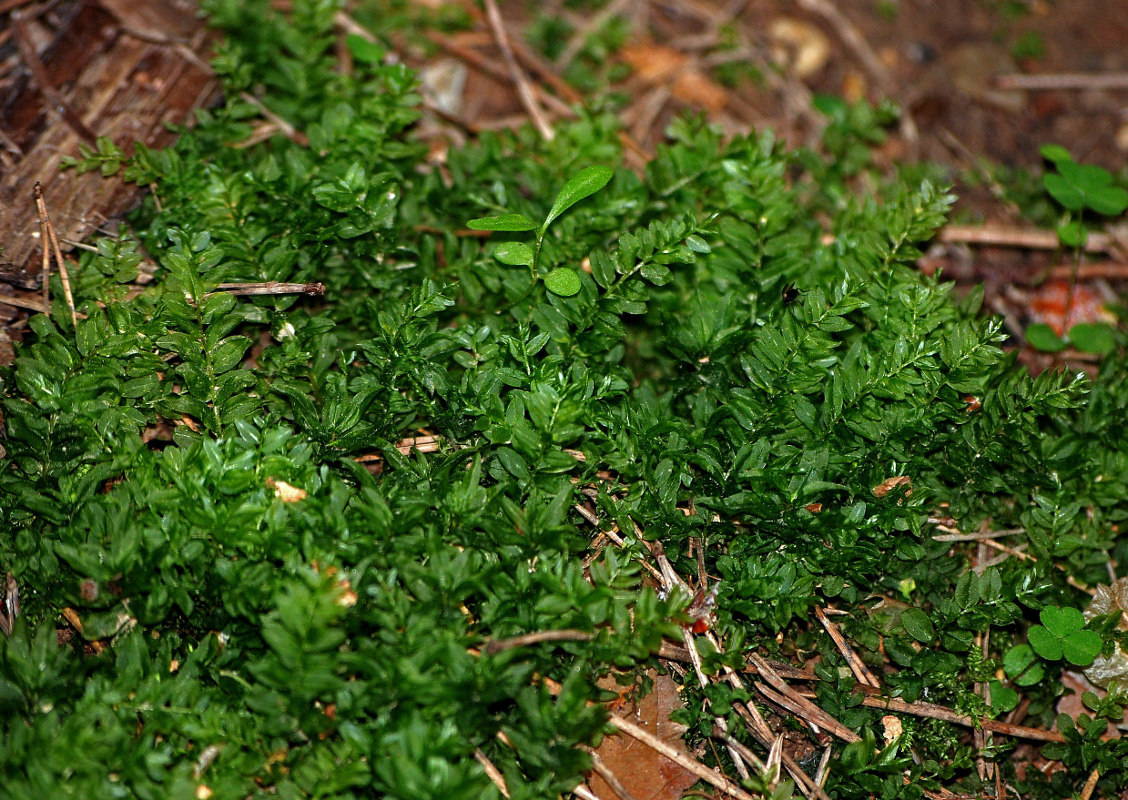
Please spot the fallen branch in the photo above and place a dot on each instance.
(562, 635)
(1065, 80)
(49, 238)
(1032, 238)
(861, 672)
(524, 88)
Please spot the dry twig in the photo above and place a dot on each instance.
(492, 772)
(524, 88)
(1008, 236)
(1065, 80)
(49, 239)
(270, 288)
(861, 672)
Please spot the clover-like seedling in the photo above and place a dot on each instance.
(1088, 337)
(563, 281)
(1080, 187)
(1062, 634)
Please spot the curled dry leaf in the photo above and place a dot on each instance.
(348, 597)
(890, 728)
(10, 607)
(1106, 671)
(644, 773)
(802, 47)
(889, 484)
(285, 492)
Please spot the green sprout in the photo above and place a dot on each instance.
(563, 281)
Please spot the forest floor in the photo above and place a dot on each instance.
(981, 86)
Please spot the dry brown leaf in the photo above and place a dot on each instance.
(656, 64)
(889, 484)
(285, 492)
(695, 88)
(802, 47)
(643, 772)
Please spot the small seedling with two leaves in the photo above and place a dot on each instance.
(563, 281)
(1078, 188)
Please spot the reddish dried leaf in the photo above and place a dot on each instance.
(659, 65)
(654, 63)
(889, 484)
(1048, 305)
(643, 772)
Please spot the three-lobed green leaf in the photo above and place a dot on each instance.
(1062, 635)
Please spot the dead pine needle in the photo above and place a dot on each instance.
(492, 772)
(271, 288)
(50, 239)
(857, 666)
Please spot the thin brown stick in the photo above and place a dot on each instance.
(581, 34)
(284, 127)
(654, 743)
(562, 635)
(483, 64)
(524, 88)
(614, 536)
(797, 703)
(1090, 783)
(10, 146)
(718, 721)
(270, 288)
(63, 272)
(492, 772)
(8, 5)
(861, 672)
(1009, 236)
(931, 711)
(1002, 548)
(823, 771)
(1065, 80)
(957, 536)
(25, 302)
(42, 80)
(45, 265)
(760, 730)
(802, 780)
(1109, 270)
(670, 577)
(945, 714)
(584, 792)
(807, 711)
(49, 239)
